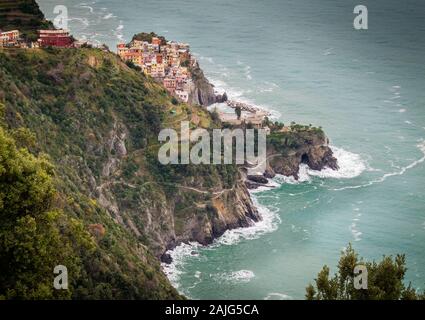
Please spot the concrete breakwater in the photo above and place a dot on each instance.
(247, 107)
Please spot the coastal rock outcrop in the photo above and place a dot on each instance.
(102, 135)
(202, 91)
(286, 151)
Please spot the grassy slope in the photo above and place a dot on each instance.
(74, 101)
(70, 99)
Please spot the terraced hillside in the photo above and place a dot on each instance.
(24, 15)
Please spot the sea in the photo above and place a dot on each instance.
(305, 62)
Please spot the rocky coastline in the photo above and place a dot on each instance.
(235, 208)
(202, 91)
(313, 150)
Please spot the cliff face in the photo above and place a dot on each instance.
(174, 205)
(301, 145)
(202, 92)
(98, 121)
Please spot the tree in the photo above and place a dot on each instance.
(384, 280)
(132, 65)
(34, 235)
(238, 111)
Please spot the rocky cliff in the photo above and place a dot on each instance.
(98, 121)
(202, 92)
(288, 149)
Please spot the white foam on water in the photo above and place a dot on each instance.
(402, 171)
(272, 184)
(277, 296)
(109, 16)
(180, 255)
(118, 31)
(355, 232)
(328, 52)
(350, 164)
(269, 223)
(241, 276)
(235, 93)
(248, 72)
(83, 21)
(87, 7)
(209, 59)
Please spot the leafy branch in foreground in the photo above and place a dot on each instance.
(384, 280)
(35, 236)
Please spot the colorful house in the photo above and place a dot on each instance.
(9, 38)
(55, 38)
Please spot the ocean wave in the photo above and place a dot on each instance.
(247, 70)
(239, 94)
(185, 251)
(235, 276)
(215, 76)
(277, 296)
(351, 165)
(180, 256)
(118, 31)
(83, 21)
(420, 146)
(272, 184)
(355, 232)
(84, 6)
(208, 59)
(109, 16)
(269, 223)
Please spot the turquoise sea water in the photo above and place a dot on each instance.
(304, 61)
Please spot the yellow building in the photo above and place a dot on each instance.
(9, 38)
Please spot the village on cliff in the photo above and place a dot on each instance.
(167, 62)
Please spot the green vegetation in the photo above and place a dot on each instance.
(238, 111)
(131, 65)
(143, 36)
(24, 15)
(385, 280)
(47, 96)
(35, 235)
(84, 109)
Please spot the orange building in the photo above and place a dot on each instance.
(156, 41)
